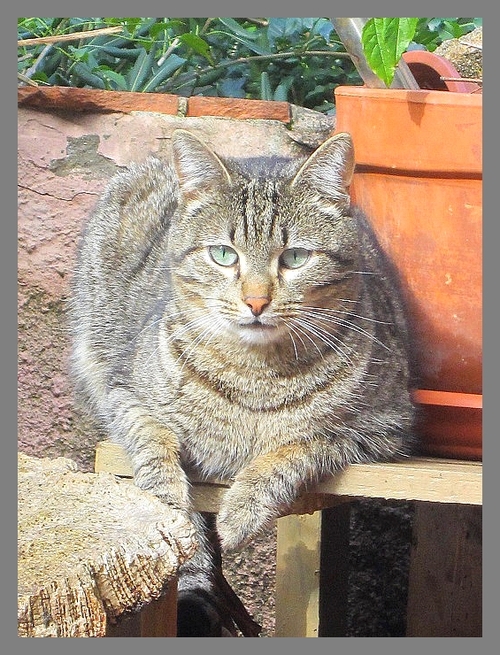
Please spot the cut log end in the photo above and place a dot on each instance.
(91, 549)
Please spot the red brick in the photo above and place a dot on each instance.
(97, 100)
(239, 108)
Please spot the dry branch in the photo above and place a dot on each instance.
(76, 36)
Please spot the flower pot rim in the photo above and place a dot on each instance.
(418, 96)
(428, 66)
(447, 398)
(431, 132)
(449, 424)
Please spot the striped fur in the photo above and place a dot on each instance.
(284, 366)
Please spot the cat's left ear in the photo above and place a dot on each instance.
(197, 166)
(330, 168)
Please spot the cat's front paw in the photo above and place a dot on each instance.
(242, 515)
(170, 486)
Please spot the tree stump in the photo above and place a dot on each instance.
(92, 549)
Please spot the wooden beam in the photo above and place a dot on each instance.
(423, 479)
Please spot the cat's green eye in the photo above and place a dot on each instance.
(223, 255)
(294, 257)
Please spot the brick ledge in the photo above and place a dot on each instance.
(98, 100)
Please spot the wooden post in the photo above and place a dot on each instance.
(311, 573)
(444, 596)
(157, 619)
(297, 575)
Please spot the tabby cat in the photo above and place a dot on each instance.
(237, 319)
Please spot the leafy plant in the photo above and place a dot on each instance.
(384, 40)
(300, 60)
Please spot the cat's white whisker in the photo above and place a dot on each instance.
(210, 329)
(177, 334)
(329, 339)
(160, 319)
(303, 328)
(182, 331)
(334, 312)
(290, 329)
(331, 318)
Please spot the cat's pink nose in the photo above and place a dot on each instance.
(257, 304)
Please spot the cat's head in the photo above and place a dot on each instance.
(260, 255)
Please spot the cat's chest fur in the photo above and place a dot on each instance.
(238, 409)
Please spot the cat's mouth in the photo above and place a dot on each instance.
(257, 330)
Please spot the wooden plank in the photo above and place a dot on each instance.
(112, 458)
(424, 479)
(159, 618)
(207, 497)
(128, 625)
(298, 562)
(444, 594)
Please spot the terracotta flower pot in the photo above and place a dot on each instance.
(419, 179)
(450, 423)
(428, 68)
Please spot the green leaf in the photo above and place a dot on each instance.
(156, 30)
(118, 81)
(384, 40)
(246, 37)
(121, 53)
(79, 54)
(140, 70)
(209, 77)
(288, 28)
(171, 64)
(283, 88)
(199, 45)
(88, 77)
(324, 27)
(266, 92)
(232, 87)
(236, 28)
(40, 77)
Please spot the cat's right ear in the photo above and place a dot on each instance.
(329, 169)
(197, 166)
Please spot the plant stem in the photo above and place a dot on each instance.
(26, 80)
(32, 70)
